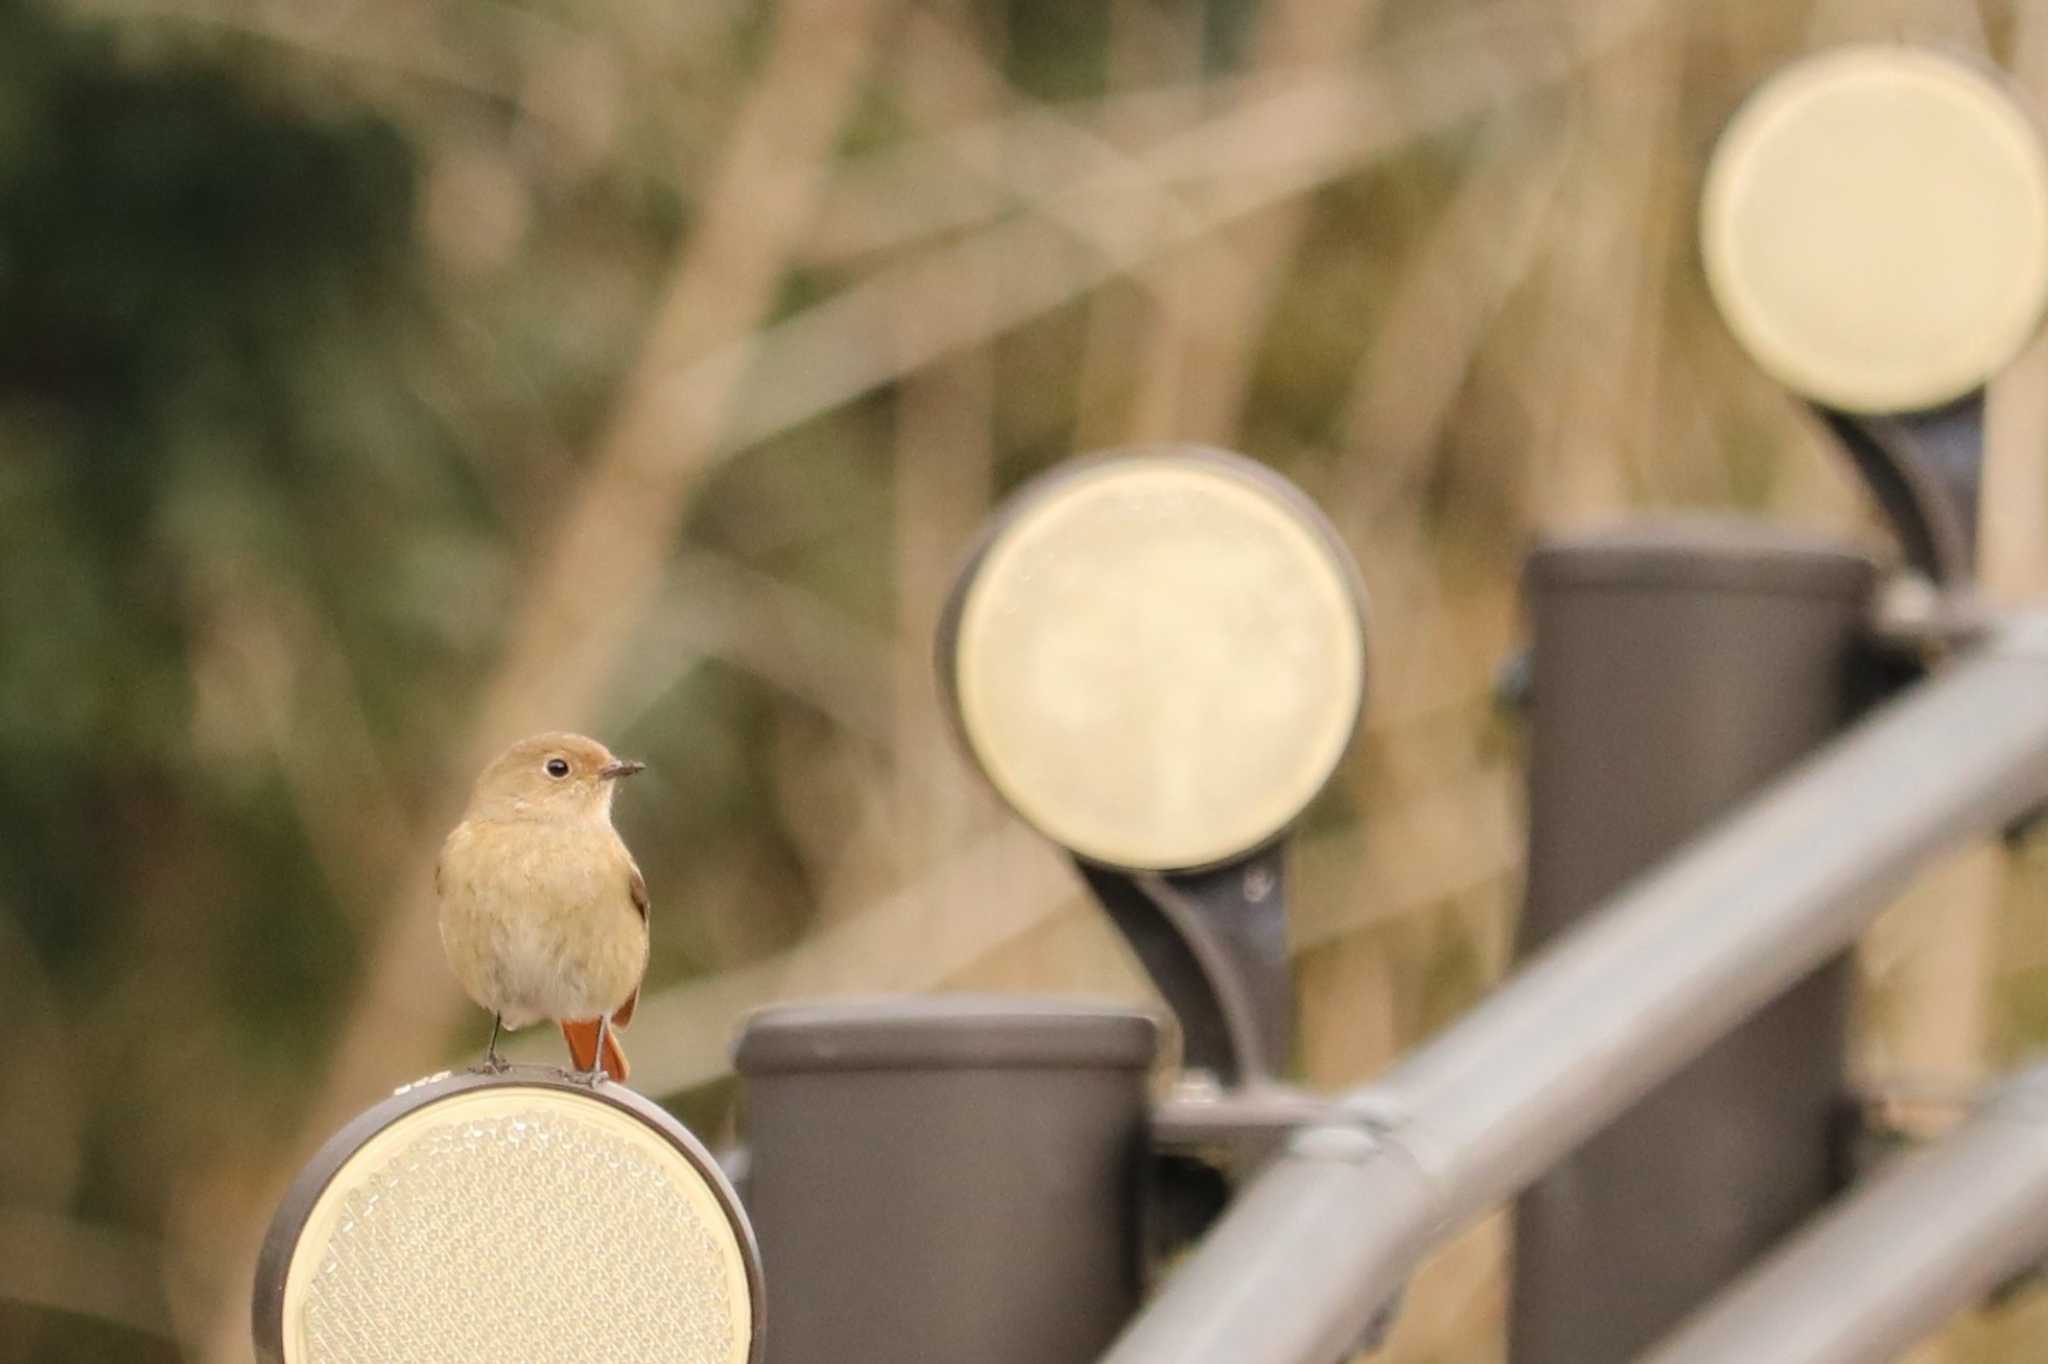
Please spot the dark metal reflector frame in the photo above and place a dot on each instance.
(519, 1216)
(1156, 656)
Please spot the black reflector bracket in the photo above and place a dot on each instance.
(1157, 657)
(1874, 229)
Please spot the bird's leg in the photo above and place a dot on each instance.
(595, 1076)
(493, 1064)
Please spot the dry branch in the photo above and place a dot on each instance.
(606, 563)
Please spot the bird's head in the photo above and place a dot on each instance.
(555, 775)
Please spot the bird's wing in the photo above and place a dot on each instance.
(636, 887)
(456, 845)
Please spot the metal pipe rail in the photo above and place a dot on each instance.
(1868, 1279)
(1322, 1238)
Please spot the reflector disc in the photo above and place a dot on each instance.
(1875, 228)
(502, 1218)
(1158, 657)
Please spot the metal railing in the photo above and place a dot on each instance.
(1946, 1228)
(1320, 1241)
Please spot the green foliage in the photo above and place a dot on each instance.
(173, 253)
(200, 288)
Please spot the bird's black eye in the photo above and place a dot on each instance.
(558, 768)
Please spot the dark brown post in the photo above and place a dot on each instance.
(946, 1178)
(1676, 668)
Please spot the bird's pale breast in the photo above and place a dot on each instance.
(538, 918)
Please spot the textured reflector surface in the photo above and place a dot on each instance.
(1159, 662)
(1875, 227)
(516, 1224)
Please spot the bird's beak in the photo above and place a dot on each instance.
(622, 767)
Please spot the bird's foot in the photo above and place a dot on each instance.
(590, 1078)
(491, 1065)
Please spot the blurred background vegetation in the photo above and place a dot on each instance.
(383, 379)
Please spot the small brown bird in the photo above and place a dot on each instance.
(543, 912)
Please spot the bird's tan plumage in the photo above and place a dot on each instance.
(544, 914)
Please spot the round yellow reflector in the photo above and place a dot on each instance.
(1158, 658)
(509, 1218)
(1875, 228)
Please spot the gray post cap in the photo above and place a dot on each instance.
(1704, 552)
(945, 1032)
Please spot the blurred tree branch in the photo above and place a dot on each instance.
(2012, 509)
(1595, 370)
(56, 1262)
(714, 606)
(908, 941)
(1943, 23)
(941, 481)
(407, 40)
(1324, 120)
(1480, 250)
(1328, 126)
(265, 655)
(603, 566)
(1218, 291)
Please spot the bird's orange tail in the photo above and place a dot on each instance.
(582, 1039)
